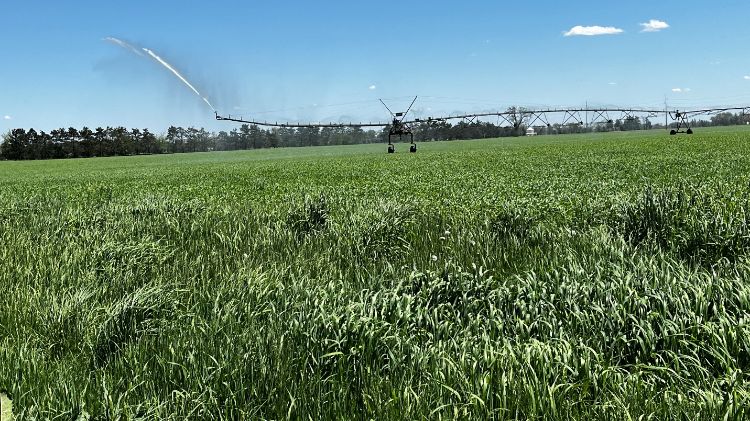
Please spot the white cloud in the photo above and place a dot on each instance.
(612, 83)
(654, 25)
(681, 90)
(7, 117)
(590, 31)
(372, 87)
(678, 90)
(747, 77)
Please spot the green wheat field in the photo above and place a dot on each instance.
(594, 277)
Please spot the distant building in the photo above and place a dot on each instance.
(530, 132)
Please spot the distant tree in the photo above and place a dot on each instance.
(244, 137)
(192, 139)
(256, 137)
(100, 139)
(726, 119)
(14, 144)
(383, 134)
(222, 141)
(272, 139)
(150, 142)
(327, 136)
(121, 141)
(234, 140)
(205, 140)
(38, 148)
(309, 136)
(176, 139)
(631, 123)
(288, 137)
(71, 143)
(88, 146)
(517, 117)
(353, 136)
(136, 146)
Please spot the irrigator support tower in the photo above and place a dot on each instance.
(400, 126)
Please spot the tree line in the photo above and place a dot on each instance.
(21, 144)
(723, 119)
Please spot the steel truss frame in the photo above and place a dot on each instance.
(400, 126)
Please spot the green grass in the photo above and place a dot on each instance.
(590, 277)
(6, 408)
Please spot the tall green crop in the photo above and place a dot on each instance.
(589, 277)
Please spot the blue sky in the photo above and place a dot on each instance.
(302, 60)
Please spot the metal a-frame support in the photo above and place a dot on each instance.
(572, 115)
(683, 122)
(538, 116)
(599, 116)
(400, 128)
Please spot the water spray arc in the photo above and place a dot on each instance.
(179, 76)
(162, 62)
(124, 45)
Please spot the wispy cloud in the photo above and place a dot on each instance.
(590, 31)
(7, 117)
(654, 25)
(372, 87)
(612, 83)
(747, 78)
(681, 90)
